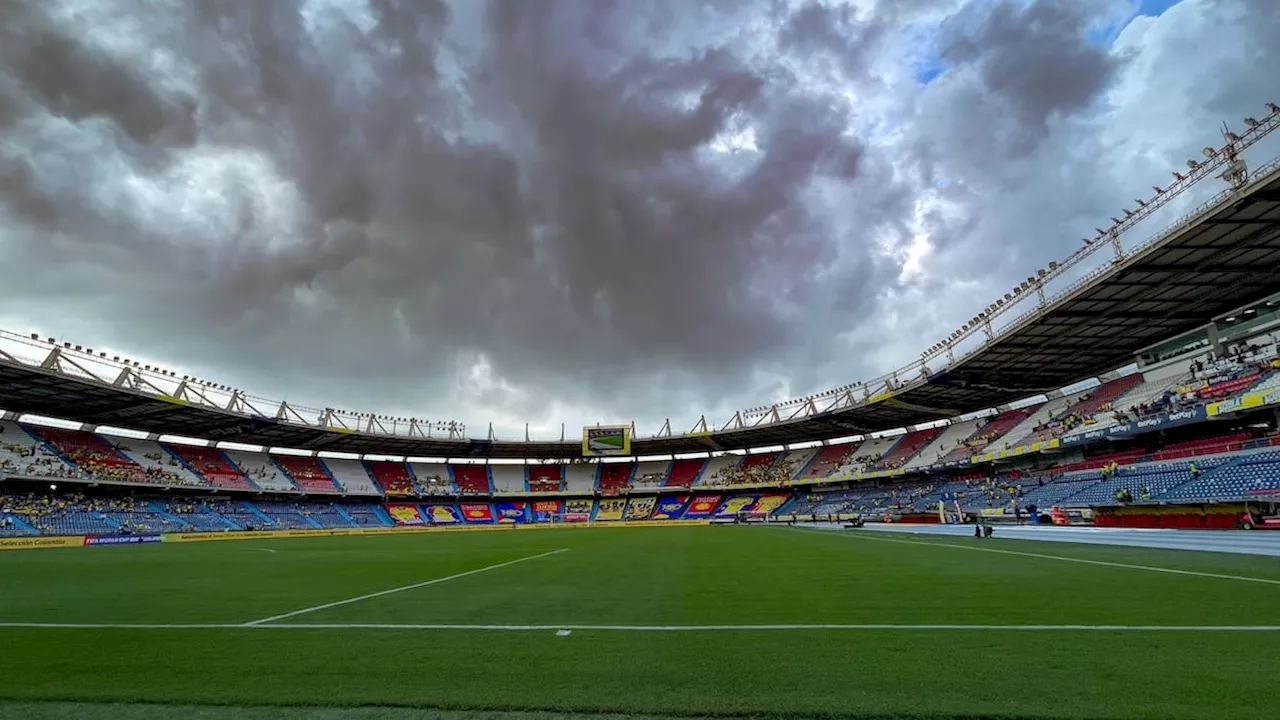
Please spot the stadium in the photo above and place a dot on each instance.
(1062, 509)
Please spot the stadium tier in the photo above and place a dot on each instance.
(213, 465)
(614, 477)
(684, 473)
(472, 479)
(309, 474)
(394, 478)
(546, 478)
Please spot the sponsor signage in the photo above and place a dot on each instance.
(122, 540)
(28, 543)
(1127, 429)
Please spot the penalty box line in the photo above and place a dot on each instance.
(403, 588)
(866, 535)
(651, 628)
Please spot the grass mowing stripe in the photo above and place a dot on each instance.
(403, 588)
(1149, 568)
(651, 628)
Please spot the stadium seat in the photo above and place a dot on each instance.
(615, 477)
(351, 475)
(685, 472)
(308, 474)
(546, 478)
(508, 478)
(471, 479)
(213, 465)
(394, 478)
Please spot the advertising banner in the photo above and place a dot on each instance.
(406, 515)
(27, 543)
(122, 540)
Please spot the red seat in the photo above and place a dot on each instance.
(308, 474)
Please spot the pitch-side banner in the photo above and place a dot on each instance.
(610, 509)
(545, 510)
(477, 512)
(640, 508)
(512, 512)
(405, 515)
(443, 514)
(702, 506)
(608, 440)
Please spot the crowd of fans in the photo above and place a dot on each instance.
(777, 472)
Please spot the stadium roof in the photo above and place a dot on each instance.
(1226, 257)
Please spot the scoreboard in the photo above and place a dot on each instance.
(606, 440)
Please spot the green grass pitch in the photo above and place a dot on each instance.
(619, 594)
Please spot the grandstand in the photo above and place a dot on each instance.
(308, 474)
(828, 461)
(614, 477)
(472, 479)
(719, 470)
(262, 471)
(686, 472)
(351, 475)
(433, 478)
(580, 477)
(545, 478)
(393, 477)
(213, 466)
(509, 478)
(651, 473)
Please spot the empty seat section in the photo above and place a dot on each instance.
(262, 471)
(508, 478)
(546, 478)
(308, 473)
(367, 516)
(1231, 478)
(580, 477)
(651, 473)
(615, 477)
(213, 466)
(432, 478)
(394, 478)
(240, 514)
(685, 472)
(327, 516)
(285, 515)
(471, 479)
(352, 476)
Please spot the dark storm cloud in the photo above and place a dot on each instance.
(555, 195)
(632, 209)
(1034, 61)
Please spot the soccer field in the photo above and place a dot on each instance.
(660, 621)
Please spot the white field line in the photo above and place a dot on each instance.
(652, 628)
(1128, 566)
(402, 588)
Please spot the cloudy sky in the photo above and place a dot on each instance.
(581, 210)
